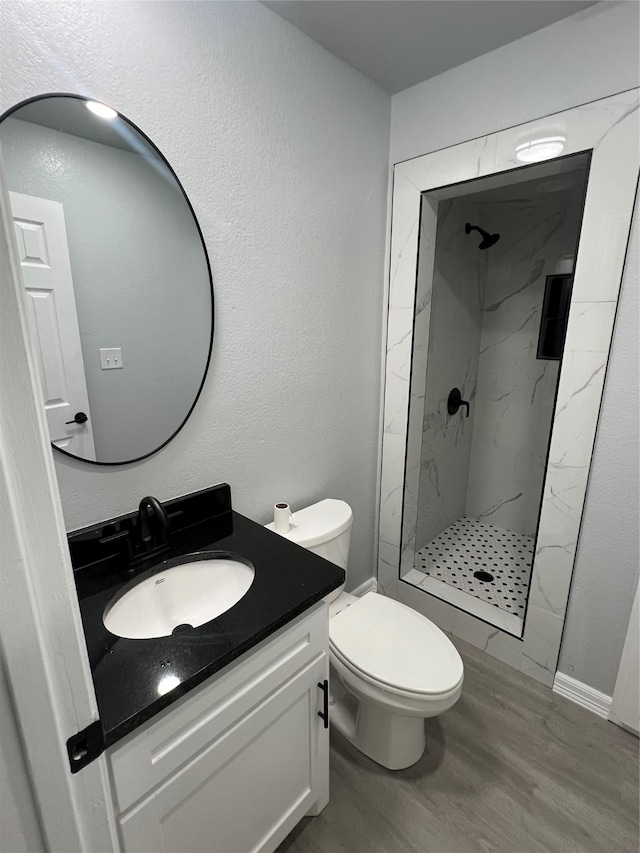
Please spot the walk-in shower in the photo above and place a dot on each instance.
(493, 352)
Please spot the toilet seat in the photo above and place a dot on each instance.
(395, 648)
(415, 700)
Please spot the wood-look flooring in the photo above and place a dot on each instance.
(511, 767)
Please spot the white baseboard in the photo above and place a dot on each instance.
(582, 694)
(370, 585)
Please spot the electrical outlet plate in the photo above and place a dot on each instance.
(111, 358)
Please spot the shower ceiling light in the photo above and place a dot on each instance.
(101, 110)
(540, 149)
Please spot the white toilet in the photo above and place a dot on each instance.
(391, 667)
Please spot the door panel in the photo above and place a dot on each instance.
(41, 239)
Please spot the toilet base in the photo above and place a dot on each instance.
(392, 740)
(389, 738)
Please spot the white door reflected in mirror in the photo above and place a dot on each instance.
(41, 238)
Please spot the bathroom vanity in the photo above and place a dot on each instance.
(237, 762)
(216, 736)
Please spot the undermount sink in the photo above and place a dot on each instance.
(184, 593)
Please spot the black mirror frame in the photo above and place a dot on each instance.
(7, 114)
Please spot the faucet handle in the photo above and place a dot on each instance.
(157, 510)
(454, 401)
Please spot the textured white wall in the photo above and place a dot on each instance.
(588, 56)
(282, 150)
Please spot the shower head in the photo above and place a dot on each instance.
(488, 240)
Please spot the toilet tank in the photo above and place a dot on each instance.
(324, 528)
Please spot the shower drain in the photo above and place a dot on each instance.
(483, 576)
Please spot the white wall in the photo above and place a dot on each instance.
(588, 56)
(283, 151)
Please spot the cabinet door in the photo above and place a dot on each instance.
(203, 717)
(247, 791)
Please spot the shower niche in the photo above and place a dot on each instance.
(490, 316)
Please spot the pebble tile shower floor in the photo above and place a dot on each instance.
(468, 546)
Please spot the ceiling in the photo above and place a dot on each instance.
(398, 43)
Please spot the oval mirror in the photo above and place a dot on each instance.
(117, 279)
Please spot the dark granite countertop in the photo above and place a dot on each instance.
(127, 673)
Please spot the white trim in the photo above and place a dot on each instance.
(42, 639)
(589, 698)
(370, 585)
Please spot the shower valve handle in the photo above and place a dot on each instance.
(454, 402)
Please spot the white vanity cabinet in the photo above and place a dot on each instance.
(235, 764)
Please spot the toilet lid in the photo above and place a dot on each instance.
(393, 644)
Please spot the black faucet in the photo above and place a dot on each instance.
(157, 510)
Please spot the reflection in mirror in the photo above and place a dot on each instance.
(489, 334)
(118, 287)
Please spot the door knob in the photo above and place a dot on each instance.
(79, 418)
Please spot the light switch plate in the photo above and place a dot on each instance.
(111, 358)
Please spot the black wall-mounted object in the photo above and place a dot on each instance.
(454, 401)
(555, 314)
(488, 240)
(85, 746)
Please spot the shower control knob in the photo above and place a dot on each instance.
(455, 400)
(80, 418)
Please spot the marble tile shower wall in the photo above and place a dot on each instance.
(482, 338)
(408, 358)
(515, 390)
(454, 337)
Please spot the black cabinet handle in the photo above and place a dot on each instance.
(324, 714)
(79, 418)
